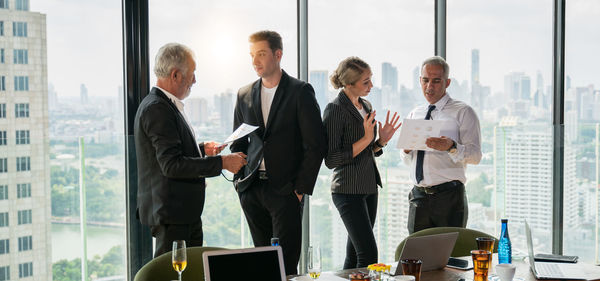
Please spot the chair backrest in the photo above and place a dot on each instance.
(464, 243)
(160, 268)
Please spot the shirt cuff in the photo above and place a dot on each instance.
(459, 154)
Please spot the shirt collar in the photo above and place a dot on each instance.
(442, 102)
(178, 103)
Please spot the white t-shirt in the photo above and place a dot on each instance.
(266, 99)
(362, 111)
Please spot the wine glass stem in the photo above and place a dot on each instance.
(179, 272)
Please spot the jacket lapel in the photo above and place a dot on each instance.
(345, 101)
(256, 101)
(163, 96)
(279, 94)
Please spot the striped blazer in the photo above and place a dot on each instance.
(344, 124)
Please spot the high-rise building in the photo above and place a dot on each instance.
(517, 86)
(389, 77)
(25, 244)
(83, 94)
(523, 175)
(391, 228)
(319, 80)
(196, 109)
(416, 77)
(225, 104)
(475, 67)
(525, 87)
(476, 89)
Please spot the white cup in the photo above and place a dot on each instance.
(506, 271)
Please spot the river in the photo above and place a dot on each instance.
(66, 240)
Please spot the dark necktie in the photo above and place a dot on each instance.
(421, 153)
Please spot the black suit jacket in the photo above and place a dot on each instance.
(293, 143)
(344, 124)
(171, 170)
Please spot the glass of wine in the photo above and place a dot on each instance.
(179, 256)
(314, 262)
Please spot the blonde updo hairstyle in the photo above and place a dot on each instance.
(348, 72)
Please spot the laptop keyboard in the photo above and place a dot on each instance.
(548, 269)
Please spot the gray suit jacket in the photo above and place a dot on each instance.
(170, 169)
(344, 124)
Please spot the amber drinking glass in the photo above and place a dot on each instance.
(412, 267)
(481, 264)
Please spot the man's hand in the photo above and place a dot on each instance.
(234, 162)
(212, 148)
(441, 143)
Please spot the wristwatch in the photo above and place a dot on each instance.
(452, 149)
(379, 144)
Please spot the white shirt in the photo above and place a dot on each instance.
(266, 99)
(362, 111)
(441, 166)
(179, 104)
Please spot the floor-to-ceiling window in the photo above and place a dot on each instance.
(61, 138)
(582, 130)
(500, 56)
(217, 31)
(393, 37)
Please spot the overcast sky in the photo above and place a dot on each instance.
(84, 38)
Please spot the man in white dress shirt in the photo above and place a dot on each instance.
(438, 197)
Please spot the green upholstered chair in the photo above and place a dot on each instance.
(161, 269)
(464, 243)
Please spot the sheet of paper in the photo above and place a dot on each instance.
(414, 132)
(241, 132)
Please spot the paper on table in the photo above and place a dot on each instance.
(241, 131)
(414, 132)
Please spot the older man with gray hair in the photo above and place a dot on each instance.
(171, 164)
(438, 197)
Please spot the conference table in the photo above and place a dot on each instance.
(451, 274)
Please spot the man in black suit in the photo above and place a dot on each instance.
(284, 153)
(171, 165)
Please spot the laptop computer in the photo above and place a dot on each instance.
(260, 263)
(432, 250)
(551, 270)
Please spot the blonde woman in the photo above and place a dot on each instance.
(353, 146)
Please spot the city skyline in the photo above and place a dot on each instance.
(85, 101)
(224, 63)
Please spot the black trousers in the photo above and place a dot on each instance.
(445, 206)
(358, 212)
(167, 233)
(269, 215)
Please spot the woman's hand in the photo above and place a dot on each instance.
(387, 131)
(369, 124)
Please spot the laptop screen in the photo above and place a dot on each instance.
(264, 263)
(530, 246)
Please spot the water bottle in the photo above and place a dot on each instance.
(274, 241)
(504, 246)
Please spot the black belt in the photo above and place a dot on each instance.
(440, 187)
(262, 175)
